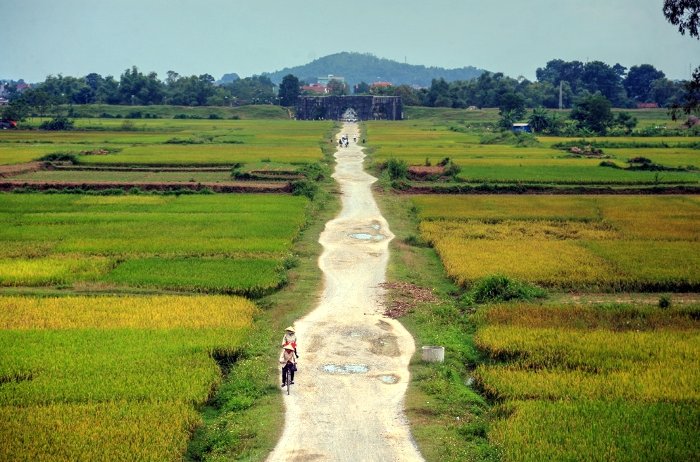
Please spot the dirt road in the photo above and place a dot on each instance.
(347, 400)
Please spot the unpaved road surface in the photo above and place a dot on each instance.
(347, 400)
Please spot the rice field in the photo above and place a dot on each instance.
(87, 378)
(219, 243)
(128, 176)
(589, 243)
(600, 382)
(427, 141)
(171, 142)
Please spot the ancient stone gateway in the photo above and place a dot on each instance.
(338, 107)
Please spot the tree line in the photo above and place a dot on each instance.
(137, 88)
(558, 82)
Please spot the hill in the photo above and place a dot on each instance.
(359, 67)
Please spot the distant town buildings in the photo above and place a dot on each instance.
(381, 85)
(326, 80)
(315, 88)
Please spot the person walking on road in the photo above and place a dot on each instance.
(289, 364)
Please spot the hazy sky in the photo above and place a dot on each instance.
(76, 37)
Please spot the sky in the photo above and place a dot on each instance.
(192, 37)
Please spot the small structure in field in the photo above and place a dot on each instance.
(521, 128)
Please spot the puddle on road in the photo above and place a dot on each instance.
(367, 236)
(345, 368)
(389, 379)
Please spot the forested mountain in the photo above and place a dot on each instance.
(365, 67)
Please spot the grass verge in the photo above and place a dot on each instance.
(449, 420)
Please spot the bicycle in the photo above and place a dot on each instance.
(288, 378)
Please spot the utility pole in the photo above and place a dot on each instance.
(561, 96)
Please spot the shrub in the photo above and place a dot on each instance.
(500, 288)
(608, 163)
(305, 188)
(60, 157)
(664, 301)
(57, 123)
(397, 169)
(315, 171)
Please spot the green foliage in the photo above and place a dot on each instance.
(664, 301)
(60, 157)
(397, 169)
(593, 112)
(57, 123)
(543, 121)
(307, 188)
(289, 90)
(499, 288)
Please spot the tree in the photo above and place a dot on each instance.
(438, 93)
(336, 87)
(639, 82)
(17, 110)
(513, 104)
(289, 90)
(625, 121)
(593, 112)
(667, 93)
(137, 88)
(686, 15)
(257, 89)
(539, 120)
(108, 91)
(600, 77)
(38, 100)
(558, 70)
(361, 88)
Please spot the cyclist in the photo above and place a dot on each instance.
(289, 361)
(290, 338)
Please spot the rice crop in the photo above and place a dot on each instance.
(115, 431)
(222, 243)
(87, 377)
(576, 242)
(608, 382)
(78, 176)
(487, 157)
(251, 277)
(171, 142)
(598, 430)
(52, 270)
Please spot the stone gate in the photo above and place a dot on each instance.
(335, 107)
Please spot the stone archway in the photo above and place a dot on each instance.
(350, 115)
